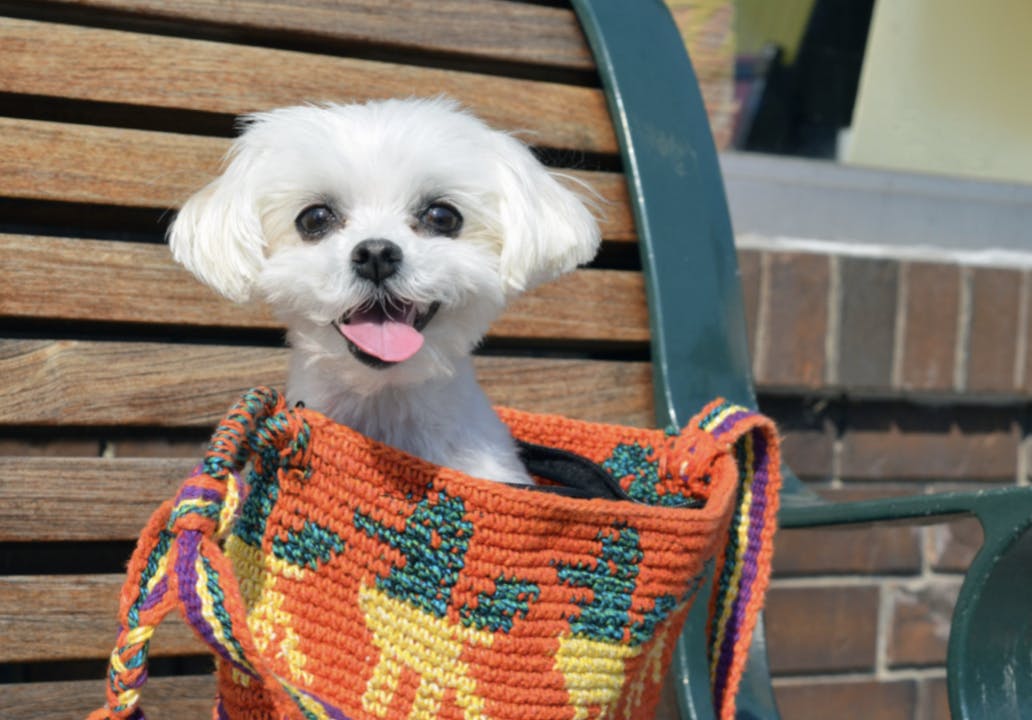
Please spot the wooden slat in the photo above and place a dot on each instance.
(97, 280)
(72, 499)
(122, 67)
(123, 383)
(486, 29)
(595, 390)
(70, 617)
(139, 168)
(164, 698)
(55, 382)
(80, 163)
(602, 305)
(81, 499)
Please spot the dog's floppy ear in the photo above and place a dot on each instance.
(217, 234)
(547, 228)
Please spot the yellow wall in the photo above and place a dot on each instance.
(782, 23)
(947, 88)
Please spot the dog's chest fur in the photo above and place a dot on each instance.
(447, 421)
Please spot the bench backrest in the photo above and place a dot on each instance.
(115, 363)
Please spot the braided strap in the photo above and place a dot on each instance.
(179, 563)
(742, 567)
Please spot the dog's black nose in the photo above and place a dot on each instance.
(376, 259)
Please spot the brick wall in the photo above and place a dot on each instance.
(887, 376)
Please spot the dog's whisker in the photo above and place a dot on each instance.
(393, 303)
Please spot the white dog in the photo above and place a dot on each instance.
(387, 237)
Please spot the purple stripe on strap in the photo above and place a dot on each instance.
(730, 421)
(138, 682)
(757, 510)
(334, 713)
(189, 550)
(724, 660)
(156, 595)
(331, 712)
(194, 492)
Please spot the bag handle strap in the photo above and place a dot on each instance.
(743, 562)
(179, 564)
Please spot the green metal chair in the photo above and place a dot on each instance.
(699, 351)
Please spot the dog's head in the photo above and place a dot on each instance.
(387, 236)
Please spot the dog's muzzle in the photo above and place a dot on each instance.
(384, 334)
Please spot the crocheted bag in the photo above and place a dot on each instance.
(346, 579)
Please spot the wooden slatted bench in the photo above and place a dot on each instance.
(115, 363)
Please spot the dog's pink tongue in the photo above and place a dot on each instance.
(379, 335)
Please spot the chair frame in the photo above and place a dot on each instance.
(699, 350)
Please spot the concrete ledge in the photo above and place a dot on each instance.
(783, 199)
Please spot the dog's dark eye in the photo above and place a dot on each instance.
(441, 219)
(315, 221)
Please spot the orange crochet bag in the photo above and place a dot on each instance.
(345, 579)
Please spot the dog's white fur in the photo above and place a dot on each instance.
(377, 165)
